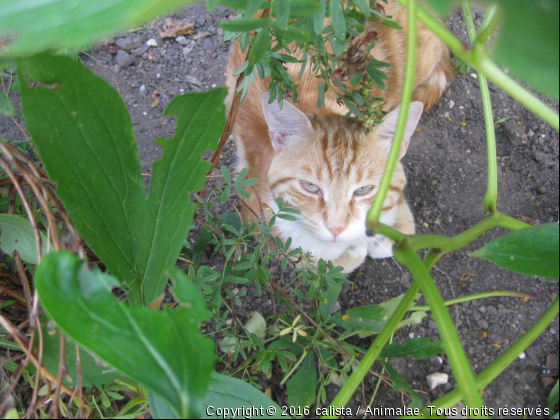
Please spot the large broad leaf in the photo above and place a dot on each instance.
(164, 351)
(224, 392)
(94, 372)
(302, 387)
(419, 348)
(84, 137)
(39, 25)
(529, 42)
(18, 235)
(532, 251)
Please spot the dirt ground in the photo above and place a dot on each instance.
(446, 168)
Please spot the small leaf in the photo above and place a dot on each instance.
(6, 106)
(245, 25)
(302, 8)
(303, 385)
(419, 348)
(532, 251)
(292, 33)
(363, 6)
(400, 384)
(260, 46)
(319, 19)
(225, 174)
(18, 235)
(337, 19)
(321, 95)
(281, 12)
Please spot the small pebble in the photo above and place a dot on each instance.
(151, 43)
(436, 379)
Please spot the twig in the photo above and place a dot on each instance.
(61, 370)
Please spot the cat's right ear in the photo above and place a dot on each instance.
(285, 124)
(386, 130)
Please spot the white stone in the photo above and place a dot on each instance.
(437, 379)
(151, 43)
(522, 356)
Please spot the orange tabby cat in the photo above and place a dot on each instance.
(325, 165)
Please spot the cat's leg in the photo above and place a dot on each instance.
(352, 258)
(382, 247)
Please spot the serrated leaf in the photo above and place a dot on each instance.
(18, 235)
(419, 348)
(56, 24)
(245, 25)
(175, 359)
(303, 385)
(532, 251)
(85, 140)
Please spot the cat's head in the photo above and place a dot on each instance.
(329, 169)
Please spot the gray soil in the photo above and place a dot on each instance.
(446, 167)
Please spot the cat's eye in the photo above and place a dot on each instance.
(363, 190)
(312, 188)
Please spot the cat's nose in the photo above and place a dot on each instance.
(336, 230)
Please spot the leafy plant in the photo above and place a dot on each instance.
(118, 315)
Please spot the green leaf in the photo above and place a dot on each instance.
(10, 345)
(85, 140)
(321, 95)
(553, 398)
(319, 19)
(365, 318)
(364, 7)
(529, 41)
(330, 296)
(400, 384)
(162, 350)
(441, 7)
(337, 19)
(260, 46)
(419, 348)
(292, 33)
(93, 371)
(302, 8)
(6, 106)
(43, 25)
(232, 219)
(18, 235)
(245, 25)
(281, 12)
(223, 392)
(532, 251)
(302, 386)
(211, 5)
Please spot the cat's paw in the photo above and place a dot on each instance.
(380, 247)
(352, 258)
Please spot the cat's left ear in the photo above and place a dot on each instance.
(285, 124)
(386, 131)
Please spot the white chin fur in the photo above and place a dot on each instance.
(377, 247)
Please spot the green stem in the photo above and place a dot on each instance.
(491, 21)
(294, 367)
(483, 64)
(477, 296)
(490, 203)
(346, 392)
(451, 342)
(501, 363)
(408, 87)
(446, 244)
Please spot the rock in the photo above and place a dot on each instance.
(522, 356)
(436, 379)
(436, 362)
(142, 50)
(151, 43)
(123, 59)
(188, 48)
(542, 190)
(193, 81)
(491, 310)
(208, 45)
(552, 362)
(182, 40)
(129, 43)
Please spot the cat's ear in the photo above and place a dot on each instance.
(284, 124)
(386, 131)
